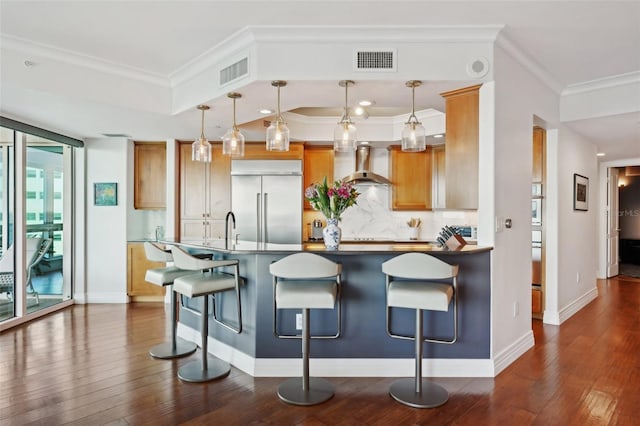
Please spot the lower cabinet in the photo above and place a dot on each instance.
(137, 265)
(536, 300)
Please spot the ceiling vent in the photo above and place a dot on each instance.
(234, 71)
(374, 60)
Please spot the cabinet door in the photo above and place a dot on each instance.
(149, 175)
(461, 154)
(439, 187)
(411, 178)
(539, 135)
(137, 268)
(197, 201)
(258, 151)
(318, 164)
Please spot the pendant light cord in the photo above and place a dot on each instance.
(235, 127)
(202, 126)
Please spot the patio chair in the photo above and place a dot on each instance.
(36, 248)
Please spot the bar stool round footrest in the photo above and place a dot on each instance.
(168, 350)
(319, 391)
(431, 396)
(194, 373)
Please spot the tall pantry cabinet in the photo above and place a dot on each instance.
(205, 193)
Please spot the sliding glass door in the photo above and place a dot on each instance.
(40, 170)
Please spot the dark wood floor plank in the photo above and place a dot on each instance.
(89, 365)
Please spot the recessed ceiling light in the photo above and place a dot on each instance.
(601, 154)
(358, 110)
(266, 111)
(366, 103)
(438, 136)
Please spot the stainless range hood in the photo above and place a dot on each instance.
(363, 173)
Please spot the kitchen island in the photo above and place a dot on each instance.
(364, 348)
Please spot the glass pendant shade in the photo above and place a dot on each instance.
(413, 134)
(233, 143)
(278, 136)
(201, 148)
(345, 135)
(414, 137)
(278, 132)
(233, 140)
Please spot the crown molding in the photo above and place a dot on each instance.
(529, 63)
(27, 47)
(602, 83)
(222, 52)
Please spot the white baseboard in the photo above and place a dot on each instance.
(557, 318)
(340, 367)
(104, 297)
(513, 352)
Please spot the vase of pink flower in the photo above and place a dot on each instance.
(332, 200)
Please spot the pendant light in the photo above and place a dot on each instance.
(278, 132)
(201, 148)
(233, 140)
(344, 135)
(413, 133)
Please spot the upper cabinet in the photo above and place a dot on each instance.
(538, 143)
(410, 173)
(149, 175)
(461, 154)
(318, 164)
(205, 193)
(438, 197)
(258, 151)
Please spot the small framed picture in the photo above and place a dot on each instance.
(105, 194)
(580, 192)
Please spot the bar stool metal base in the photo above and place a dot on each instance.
(319, 391)
(194, 373)
(432, 395)
(169, 351)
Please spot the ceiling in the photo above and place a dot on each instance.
(572, 42)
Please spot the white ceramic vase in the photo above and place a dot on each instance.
(332, 234)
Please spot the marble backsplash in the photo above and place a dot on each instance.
(373, 217)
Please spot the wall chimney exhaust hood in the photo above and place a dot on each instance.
(363, 174)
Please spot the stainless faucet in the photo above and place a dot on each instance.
(226, 227)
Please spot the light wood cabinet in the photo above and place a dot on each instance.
(461, 154)
(149, 175)
(438, 197)
(411, 177)
(539, 135)
(536, 300)
(137, 265)
(318, 164)
(205, 193)
(258, 151)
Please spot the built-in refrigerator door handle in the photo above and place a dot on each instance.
(264, 218)
(258, 216)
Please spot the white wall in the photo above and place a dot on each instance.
(106, 233)
(572, 253)
(518, 97)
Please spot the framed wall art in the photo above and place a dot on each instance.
(105, 194)
(580, 192)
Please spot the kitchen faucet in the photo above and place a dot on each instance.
(226, 227)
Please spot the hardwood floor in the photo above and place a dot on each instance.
(88, 365)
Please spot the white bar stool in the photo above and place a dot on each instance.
(305, 281)
(208, 282)
(415, 291)
(177, 347)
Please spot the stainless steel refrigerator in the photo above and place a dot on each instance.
(266, 199)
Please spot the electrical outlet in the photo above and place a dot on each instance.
(516, 309)
(298, 321)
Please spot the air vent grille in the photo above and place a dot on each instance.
(375, 60)
(234, 71)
